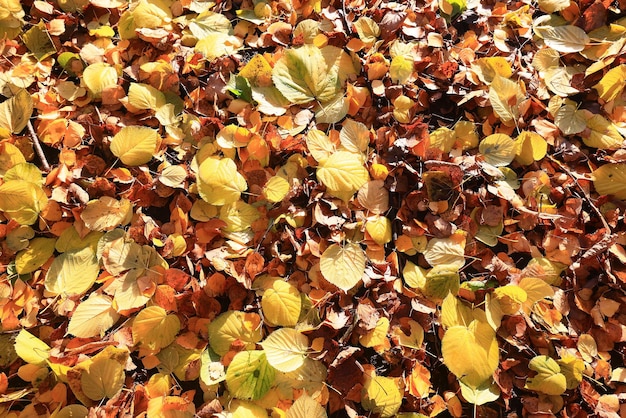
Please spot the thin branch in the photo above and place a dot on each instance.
(37, 145)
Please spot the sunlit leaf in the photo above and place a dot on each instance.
(93, 317)
(38, 252)
(603, 134)
(145, 97)
(16, 111)
(106, 213)
(549, 379)
(505, 96)
(343, 266)
(566, 39)
(478, 342)
(286, 349)
(281, 304)
(103, 378)
(232, 326)
(219, 182)
(446, 251)
(531, 147)
(612, 83)
(154, 328)
(343, 174)
(610, 179)
(98, 77)
(488, 392)
(499, 149)
(306, 407)
(249, 375)
(135, 145)
(381, 395)
(72, 273)
(276, 189)
(31, 349)
(38, 41)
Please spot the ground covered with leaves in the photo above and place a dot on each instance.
(312, 208)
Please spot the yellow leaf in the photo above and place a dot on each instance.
(569, 119)
(610, 179)
(511, 298)
(257, 71)
(320, 146)
(477, 342)
(38, 252)
(22, 201)
(129, 290)
(414, 276)
(249, 375)
(93, 317)
(310, 73)
(572, 368)
(135, 145)
(99, 76)
(170, 407)
(446, 251)
(219, 182)
(151, 14)
(276, 189)
(72, 273)
(354, 136)
(455, 313)
(102, 378)
(531, 147)
(549, 379)
(238, 216)
(106, 213)
(536, 290)
(234, 326)
(465, 133)
(244, 409)
(414, 338)
(374, 197)
(16, 111)
(381, 395)
(603, 135)
(485, 393)
(402, 106)
(587, 347)
(566, 38)
(401, 69)
(286, 349)
(71, 411)
(489, 68)
(612, 83)
(37, 40)
(173, 176)
(343, 266)
(145, 97)
(377, 337)
(218, 44)
(443, 138)
(281, 304)
(305, 407)
(441, 280)
(380, 229)
(368, 30)
(505, 96)
(10, 156)
(343, 174)
(154, 328)
(31, 349)
(498, 149)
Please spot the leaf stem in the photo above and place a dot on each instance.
(37, 145)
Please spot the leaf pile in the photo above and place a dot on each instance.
(312, 208)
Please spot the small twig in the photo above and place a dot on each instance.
(37, 145)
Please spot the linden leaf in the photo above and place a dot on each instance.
(446, 251)
(572, 368)
(145, 97)
(212, 371)
(219, 182)
(536, 290)
(31, 349)
(15, 112)
(135, 145)
(286, 349)
(281, 304)
(569, 119)
(505, 96)
(610, 179)
(511, 298)
(106, 213)
(380, 229)
(401, 69)
(38, 252)
(234, 326)
(306, 407)
(93, 317)
(477, 342)
(10, 155)
(343, 266)
(489, 68)
(498, 149)
(343, 174)
(367, 29)
(354, 137)
(603, 134)
(276, 189)
(531, 147)
(72, 273)
(249, 375)
(98, 77)
(440, 281)
(304, 74)
(22, 201)
(549, 379)
(37, 40)
(485, 393)
(377, 337)
(102, 378)
(381, 395)
(238, 216)
(612, 83)
(154, 328)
